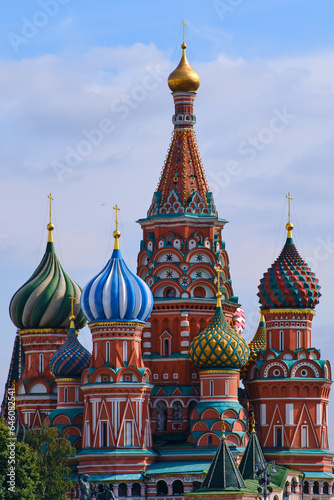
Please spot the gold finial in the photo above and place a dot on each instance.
(50, 227)
(252, 423)
(289, 225)
(116, 233)
(183, 46)
(223, 429)
(72, 317)
(219, 270)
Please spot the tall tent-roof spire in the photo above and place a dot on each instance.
(183, 188)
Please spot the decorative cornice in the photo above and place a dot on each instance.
(41, 331)
(287, 311)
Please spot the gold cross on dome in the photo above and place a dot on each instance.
(50, 212)
(289, 199)
(72, 299)
(218, 269)
(184, 29)
(117, 209)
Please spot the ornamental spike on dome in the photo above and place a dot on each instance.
(71, 359)
(184, 78)
(289, 282)
(43, 301)
(218, 346)
(116, 294)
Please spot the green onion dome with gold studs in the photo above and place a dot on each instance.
(44, 300)
(218, 346)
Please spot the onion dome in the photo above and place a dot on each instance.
(257, 344)
(218, 346)
(238, 320)
(71, 359)
(289, 282)
(184, 78)
(44, 300)
(116, 293)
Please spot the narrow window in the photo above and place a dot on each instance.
(281, 340)
(128, 434)
(166, 347)
(298, 339)
(289, 414)
(209, 441)
(77, 394)
(226, 388)
(262, 414)
(278, 443)
(108, 352)
(104, 435)
(211, 387)
(270, 340)
(304, 436)
(41, 363)
(125, 351)
(65, 395)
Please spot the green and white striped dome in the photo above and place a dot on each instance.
(44, 300)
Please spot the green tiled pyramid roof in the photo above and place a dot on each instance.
(223, 472)
(252, 457)
(44, 300)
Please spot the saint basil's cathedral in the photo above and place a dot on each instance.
(145, 410)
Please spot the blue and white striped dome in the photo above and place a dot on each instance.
(116, 294)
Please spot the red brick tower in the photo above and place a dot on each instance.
(182, 242)
(289, 384)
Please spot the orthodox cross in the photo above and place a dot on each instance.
(50, 197)
(218, 269)
(117, 209)
(289, 199)
(184, 28)
(72, 299)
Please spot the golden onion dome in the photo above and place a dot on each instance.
(219, 346)
(184, 78)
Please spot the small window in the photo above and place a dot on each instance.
(209, 441)
(166, 347)
(136, 490)
(122, 490)
(211, 388)
(162, 488)
(104, 435)
(41, 363)
(65, 395)
(108, 352)
(77, 394)
(278, 443)
(125, 351)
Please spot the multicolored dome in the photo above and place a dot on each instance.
(116, 293)
(71, 359)
(289, 282)
(218, 346)
(257, 344)
(184, 78)
(44, 300)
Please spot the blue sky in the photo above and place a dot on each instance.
(84, 62)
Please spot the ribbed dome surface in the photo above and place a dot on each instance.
(218, 346)
(289, 282)
(71, 359)
(44, 300)
(116, 294)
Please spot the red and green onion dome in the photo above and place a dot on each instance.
(289, 282)
(218, 346)
(72, 358)
(44, 300)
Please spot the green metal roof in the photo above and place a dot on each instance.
(178, 467)
(318, 475)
